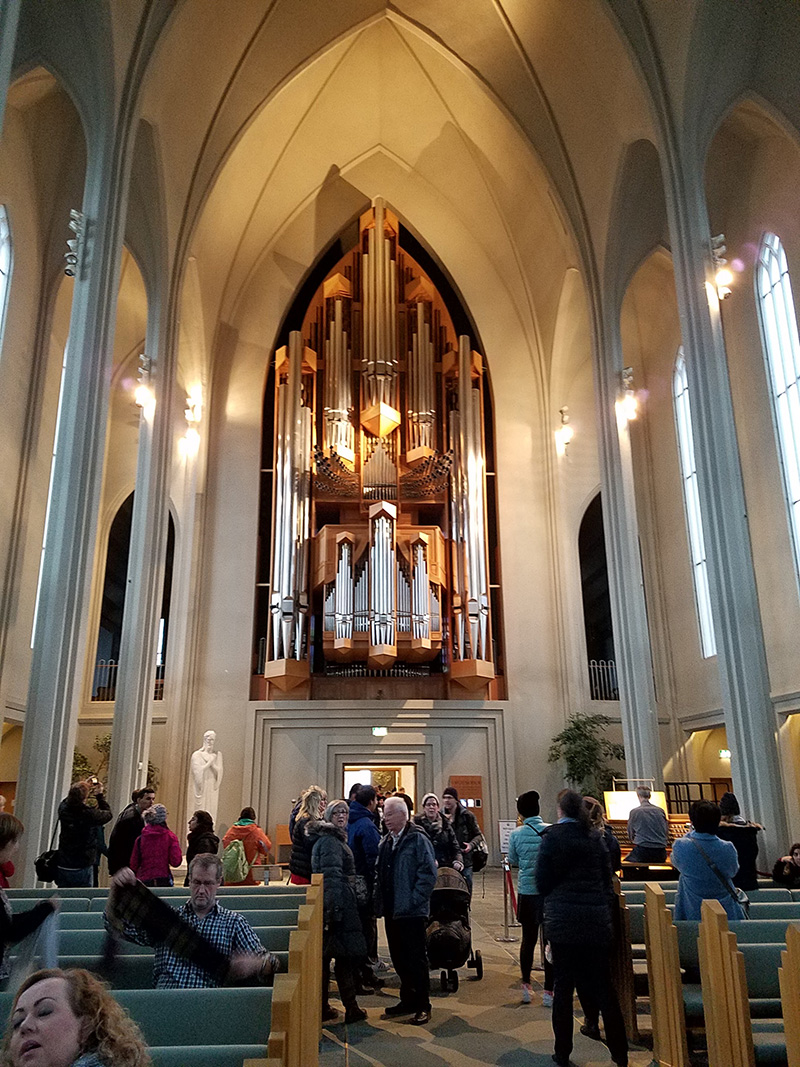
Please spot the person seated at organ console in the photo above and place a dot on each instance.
(648, 830)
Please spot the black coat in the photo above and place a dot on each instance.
(123, 837)
(465, 827)
(300, 859)
(331, 857)
(77, 842)
(744, 838)
(443, 839)
(573, 874)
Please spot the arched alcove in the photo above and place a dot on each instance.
(112, 606)
(596, 598)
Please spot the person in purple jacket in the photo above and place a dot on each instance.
(156, 849)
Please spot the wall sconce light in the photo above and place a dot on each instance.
(564, 433)
(194, 405)
(74, 256)
(189, 444)
(143, 393)
(723, 276)
(628, 403)
(724, 753)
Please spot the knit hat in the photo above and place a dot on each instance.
(729, 805)
(450, 791)
(333, 807)
(156, 814)
(428, 797)
(528, 803)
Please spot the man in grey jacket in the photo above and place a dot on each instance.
(405, 877)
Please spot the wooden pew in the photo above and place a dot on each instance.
(729, 1029)
(622, 975)
(670, 1047)
(789, 976)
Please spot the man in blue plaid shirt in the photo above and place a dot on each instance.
(239, 954)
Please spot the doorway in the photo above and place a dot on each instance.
(385, 777)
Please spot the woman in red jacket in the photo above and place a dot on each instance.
(156, 849)
(253, 838)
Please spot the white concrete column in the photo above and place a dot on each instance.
(643, 757)
(133, 705)
(750, 719)
(9, 17)
(60, 638)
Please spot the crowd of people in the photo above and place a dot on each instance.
(379, 860)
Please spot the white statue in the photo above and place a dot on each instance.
(206, 777)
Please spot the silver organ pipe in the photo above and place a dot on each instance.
(421, 607)
(379, 309)
(289, 592)
(382, 582)
(403, 597)
(344, 591)
(422, 385)
(458, 580)
(339, 429)
(471, 465)
(362, 598)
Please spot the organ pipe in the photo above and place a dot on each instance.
(469, 518)
(339, 430)
(382, 584)
(289, 591)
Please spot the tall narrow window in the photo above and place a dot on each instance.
(5, 266)
(691, 500)
(782, 354)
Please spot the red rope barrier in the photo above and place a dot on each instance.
(512, 894)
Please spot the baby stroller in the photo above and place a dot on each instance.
(448, 935)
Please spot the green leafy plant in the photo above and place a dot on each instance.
(84, 767)
(586, 752)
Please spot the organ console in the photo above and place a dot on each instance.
(379, 525)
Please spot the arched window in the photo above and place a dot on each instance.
(5, 266)
(691, 500)
(782, 354)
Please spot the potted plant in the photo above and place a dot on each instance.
(586, 753)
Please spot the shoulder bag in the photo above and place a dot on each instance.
(46, 864)
(738, 895)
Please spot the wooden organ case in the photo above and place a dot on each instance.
(379, 566)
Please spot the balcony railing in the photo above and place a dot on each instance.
(104, 683)
(603, 679)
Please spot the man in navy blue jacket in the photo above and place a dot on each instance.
(363, 837)
(406, 875)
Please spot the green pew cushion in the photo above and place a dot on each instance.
(233, 903)
(200, 1016)
(19, 904)
(134, 971)
(93, 920)
(206, 1055)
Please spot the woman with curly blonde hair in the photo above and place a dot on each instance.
(69, 1019)
(309, 815)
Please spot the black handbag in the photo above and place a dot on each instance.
(46, 864)
(480, 855)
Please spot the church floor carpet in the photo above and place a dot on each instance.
(484, 1022)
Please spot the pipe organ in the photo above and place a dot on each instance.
(379, 558)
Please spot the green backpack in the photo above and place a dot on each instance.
(235, 867)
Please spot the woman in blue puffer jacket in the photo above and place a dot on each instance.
(523, 852)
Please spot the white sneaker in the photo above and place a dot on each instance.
(526, 992)
(547, 1000)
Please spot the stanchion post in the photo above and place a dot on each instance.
(506, 875)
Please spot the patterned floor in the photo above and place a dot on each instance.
(482, 1023)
